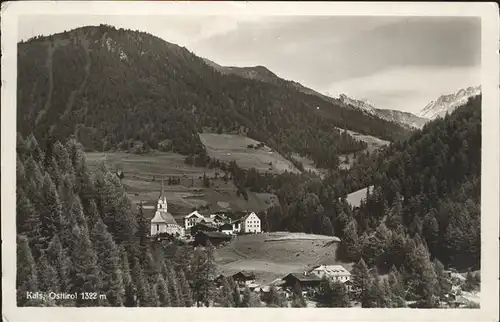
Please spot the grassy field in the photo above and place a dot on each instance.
(143, 183)
(228, 147)
(273, 255)
(373, 143)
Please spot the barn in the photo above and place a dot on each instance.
(215, 238)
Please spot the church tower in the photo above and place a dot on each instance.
(162, 200)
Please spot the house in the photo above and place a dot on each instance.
(244, 278)
(226, 229)
(335, 273)
(250, 223)
(163, 221)
(215, 238)
(202, 227)
(219, 219)
(192, 219)
(304, 280)
(355, 198)
(236, 224)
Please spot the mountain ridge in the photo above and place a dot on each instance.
(448, 103)
(111, 88)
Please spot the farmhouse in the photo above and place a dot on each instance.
(250, 223)
(163, 221)
(202, 227)
(304, 280)
(215, 238)
(226, 229)
(192, 219)
(355, 198)
(244, 278)
(236, 224)
(336, 273)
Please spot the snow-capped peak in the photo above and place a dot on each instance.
(448, 103)
(360, 104)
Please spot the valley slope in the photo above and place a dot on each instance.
(115, 89)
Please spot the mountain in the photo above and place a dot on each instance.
(263, 74)
(112, 88)
(448, 103)
(404, 118)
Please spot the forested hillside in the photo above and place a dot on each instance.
(77, 233)
(113, 88)
(425, 205)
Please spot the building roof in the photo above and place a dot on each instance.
(304, 278)
(244, 217)
(214, 234)
(245, 274)
(226, 227)
(163, 217)
(331, 269)
(355, 198)
(194, 213)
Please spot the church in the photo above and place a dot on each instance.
(163, 221)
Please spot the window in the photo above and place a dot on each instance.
(157, 227)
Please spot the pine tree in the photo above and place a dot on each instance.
(187, 296)
(224, 294)
(250, 299)
(326, 226)
(50, 214)
(58, 258)
(84, 273)
(350, 246)
(176, 298)
(163, 291)
(361, 281)
(26, 279)
(108, 258)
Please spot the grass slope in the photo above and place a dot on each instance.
(140, 170)
(273, 255)
(227, 147)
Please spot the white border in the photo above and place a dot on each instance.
(490, 158)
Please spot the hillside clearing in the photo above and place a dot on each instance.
(273, 255)
(142, 182)
(228, 147)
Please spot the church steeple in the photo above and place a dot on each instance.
(162, 200)
(162, 192)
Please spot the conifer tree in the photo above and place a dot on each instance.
(108, 259)
(84, 273)
(187, 296)
(163, 292)
(58, 258)
(174, 288)
(361, 281)
(50, 214)
(26, 279)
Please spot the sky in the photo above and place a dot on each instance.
(393, 62)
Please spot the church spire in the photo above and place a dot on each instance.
(162, 193)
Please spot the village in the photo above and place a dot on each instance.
(218, 229)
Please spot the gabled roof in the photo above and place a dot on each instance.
(194, 213)
(304, 278)
(247, 215)
(331, 269)
(249, 275)
(214, 234)
(163, 217)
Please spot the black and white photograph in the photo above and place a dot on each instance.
(238, 159)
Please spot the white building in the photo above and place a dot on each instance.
(336, 273)
(250, 223)
(192, 219)
(163, 221)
